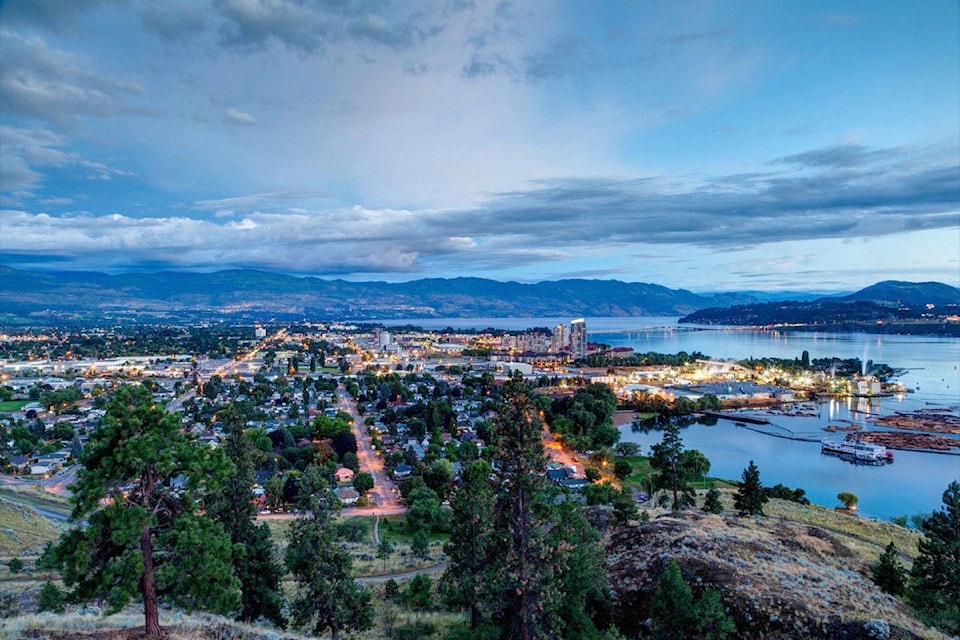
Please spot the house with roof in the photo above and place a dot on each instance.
(343, 475)
(347, 495)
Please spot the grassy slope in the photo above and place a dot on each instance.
(23, 531)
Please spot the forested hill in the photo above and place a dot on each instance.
(886, 307)
(258, 295)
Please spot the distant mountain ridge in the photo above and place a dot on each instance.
(886, 307)
(249, 294)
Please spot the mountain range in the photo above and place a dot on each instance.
(242, 295)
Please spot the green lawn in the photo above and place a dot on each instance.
(13, 405)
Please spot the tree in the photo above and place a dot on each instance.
(420, 544)
(143, 536)
(470, 541)
(273, 491)
(935, 576)
(254, 553)
(363, 482)
(579, 570)
(711, 503)
(622, 469)
(675, 616)
(438, 477)
(50, 598)
(676, 467)
(418, 595)
(327, 595)
(848, 499)
(671, 611)
(15, 565)
(888, 573)
(750, 497)
(384, 549)
(624, 507)
(527, 595)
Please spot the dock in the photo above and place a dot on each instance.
(736, 417)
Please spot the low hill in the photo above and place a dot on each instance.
(888, 307)
(258, 295)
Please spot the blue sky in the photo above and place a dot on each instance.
(702, 145)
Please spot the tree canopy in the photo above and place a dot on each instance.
(144, 534)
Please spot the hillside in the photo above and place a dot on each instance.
(258, 295)
(780, 579)
(886, 307)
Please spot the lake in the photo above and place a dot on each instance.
(913, 484)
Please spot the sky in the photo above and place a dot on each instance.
(710, 146)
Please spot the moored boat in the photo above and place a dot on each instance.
(857, 450)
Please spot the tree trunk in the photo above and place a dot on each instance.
(334, 632)
(150, 613)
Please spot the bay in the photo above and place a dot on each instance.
(913, 484)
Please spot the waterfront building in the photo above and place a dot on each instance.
(578, 339)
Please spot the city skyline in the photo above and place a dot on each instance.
(707, 146)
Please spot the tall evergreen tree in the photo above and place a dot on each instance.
(935, 576)
(750, 497)
(470, 542)
(328, 597)
(677, 467)
(888, 573)
(579, 571)
(143, 536)
(527, 594)
(254, 553)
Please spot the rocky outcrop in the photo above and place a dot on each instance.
(779, 580)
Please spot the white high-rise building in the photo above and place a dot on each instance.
(578, 339)
(560, 338)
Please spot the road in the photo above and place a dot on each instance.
(384, 491)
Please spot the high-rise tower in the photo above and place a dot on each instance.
(578, 339)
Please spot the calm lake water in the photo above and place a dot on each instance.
(913, 484)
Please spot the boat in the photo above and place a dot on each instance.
(857, 451)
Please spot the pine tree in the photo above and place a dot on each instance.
(471, 537)
(624, 507)
(888, 573)
(671, 611)
(255, 555)
(527, 594)
(327, 597)
(50, 598)
(675, 615)
(579, 570)
(712, 622)
(711, 502)
(750, 497)
(677, 467)
(142, 536)
(935, 576)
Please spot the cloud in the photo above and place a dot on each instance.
(174, 20)
(309, 28)
(38, 81)
(552, 220)
(25, 154)
(239, 117)
(54, 15)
